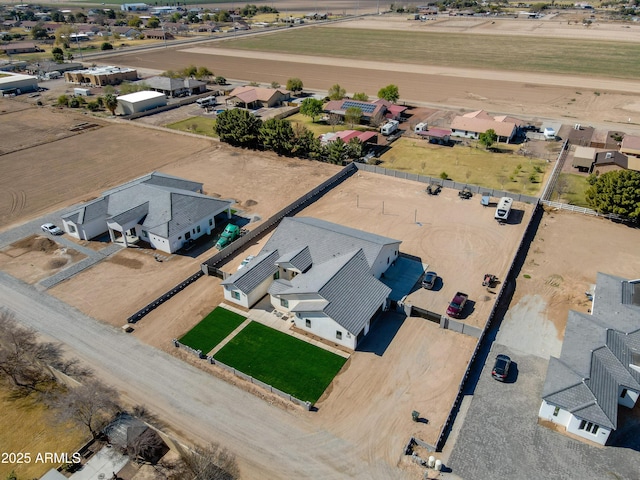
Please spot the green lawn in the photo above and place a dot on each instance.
(592, 58)
(213, 328)
(570, 188)
(199, 125)
(475, 166)
(319, 127)
(284, 362)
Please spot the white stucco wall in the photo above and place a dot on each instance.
(385, 258)
(88, 230)
(325, 327)
(243, 301)
(629, 400)
(600, 437)
(463, 133)
(252, 298)
(546, 413)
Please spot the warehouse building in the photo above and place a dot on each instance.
(140, 102)
(16, 83)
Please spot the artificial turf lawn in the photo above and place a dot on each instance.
(212, 329)
(282, 361)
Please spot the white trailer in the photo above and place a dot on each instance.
(389, 127)
(209, 101)
(503, 209)
(421, 127)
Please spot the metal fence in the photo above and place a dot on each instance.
(269, 388)
(445, 183)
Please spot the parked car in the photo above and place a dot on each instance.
(51, 228)
(500, 369)
(429, 280)
(456, 306)
(245, 261)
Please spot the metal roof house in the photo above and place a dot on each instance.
(323, 275)
(599, 366)
(160, 209)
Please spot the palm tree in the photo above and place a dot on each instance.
(110, 103)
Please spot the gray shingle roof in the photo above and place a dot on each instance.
(596, 355)
(299, 260)
(254, 273)
(325, 240)
(162, 204)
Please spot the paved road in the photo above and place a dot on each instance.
(270, 443)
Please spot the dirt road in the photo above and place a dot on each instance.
(270, 443)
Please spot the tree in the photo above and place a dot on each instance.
(189, 71)
(63, 35)
(277, 135)
(311, 107)
(57, 55)
(238, 127)
(220, 80)
(153, 22)
(38, 32)
(204, 74)
(275, 84)
(106, 46)
(616, 192)
(389, 93)
(90, 405)
(134, 22)
(110, 102)
(334, 119)
(488, 138)
(336, 92)
(337, 152)
(23, 359)
(305, 143)
(295, 85)
(352, 116)
(355, 148)
(212, 462)
(360, 96)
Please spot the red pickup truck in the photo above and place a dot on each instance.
(456, 306)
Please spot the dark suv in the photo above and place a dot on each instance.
(500, 369)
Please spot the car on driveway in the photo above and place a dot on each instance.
(456, 306)
(429, 280)
(500, 370)
(51, 228)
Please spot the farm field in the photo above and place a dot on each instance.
(475, 166)
(29, 427)
(282, 361)
(571, 56)
(214, 328)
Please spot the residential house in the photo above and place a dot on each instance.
(160, 209)
(158, 34)
(258, 97)
(134, 7)
(599, 366)
(323, 275)
(471, 125)
(583, 158)
(379, 109)
(175, 87)
(609, 161)
(347, 135)
(630, 146)
(19, 47)
(126, 32)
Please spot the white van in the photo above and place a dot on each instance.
(389, 127)
(503, 209)
(209, 101)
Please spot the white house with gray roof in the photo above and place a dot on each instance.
(599, 365)
(322, 274)
(160, 209)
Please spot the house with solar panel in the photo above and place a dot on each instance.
(322, 275)
(162, 210)
(598, 370)
(381, 109)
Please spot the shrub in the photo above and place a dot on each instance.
(444, 176)
(106, 46)
(63, 101)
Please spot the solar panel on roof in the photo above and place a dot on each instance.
(365, 107)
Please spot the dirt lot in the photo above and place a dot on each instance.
(34, 258)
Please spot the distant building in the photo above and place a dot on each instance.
(134, 7)
(100, 76)
(379, 109)
(19, 47)
(16, 83)
(140, 102)
(471, 125)
(175, 87)
(258, 97)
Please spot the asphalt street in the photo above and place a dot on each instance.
(270, 443)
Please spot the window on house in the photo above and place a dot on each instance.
(556, 411)
(284, 302)
(145, 234)
(623, 393)
(338, 334)
(211, 222)
(194, 230)
(235, 294)
(198, 229)
(71, 228)
(276, 275)
(588, 427)
(187, 235)
(307, 322)
(387, 260)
